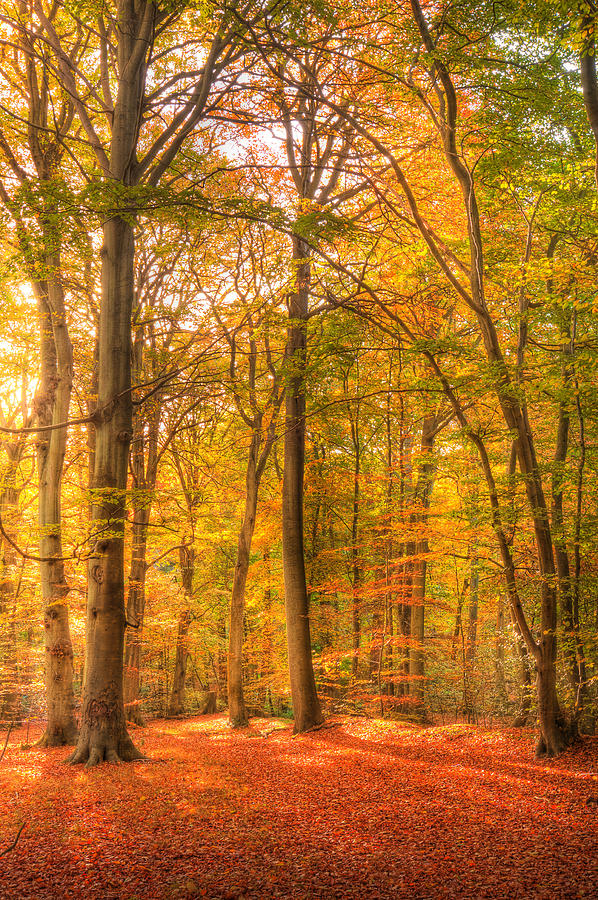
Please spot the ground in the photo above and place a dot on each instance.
(358, 809)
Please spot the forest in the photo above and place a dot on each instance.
(298, 440)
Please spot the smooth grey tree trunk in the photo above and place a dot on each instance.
(103, 733)
(135, 614)
(10, 696)
(52, 405)
(145, 436)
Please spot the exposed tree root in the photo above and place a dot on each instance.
(97, 748)
(563, 735)
(322, 726)
(57, 738)
(239, 722)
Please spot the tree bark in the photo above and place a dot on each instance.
(469, 708)
(236, 702)
(355, 555)
(47, 128)
(176, 704)
(525, 707)
(306, 706)
(10, 699)
(499, 658)
(458, 629)
(52, 406)
(572, 644)
(418, 550)
(103, 732)
(135, 614)
(145, 436)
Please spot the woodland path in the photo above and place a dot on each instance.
(361, 809)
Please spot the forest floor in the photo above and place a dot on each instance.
(361, 809)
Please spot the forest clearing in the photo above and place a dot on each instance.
(361, 808)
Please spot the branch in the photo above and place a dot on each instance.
(67, 68)
(10, 727)
(14, 843)
(589, 81)
(26, 555)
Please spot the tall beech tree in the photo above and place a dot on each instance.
(417, 551)
(36, 210)
(317, 149)
(258, 404)
(11, 484)
(118, 115)
(554, 731)
(436, 92)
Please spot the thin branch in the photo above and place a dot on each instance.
(14, 843)
(10, 727)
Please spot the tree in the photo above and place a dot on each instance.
(128, 38)
(258, 406)
(35, 207)
(317, 148)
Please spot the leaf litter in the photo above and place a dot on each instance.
(359, 809)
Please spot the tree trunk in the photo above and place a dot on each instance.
(268, 635)
(145, 438)
(176, 704)
(355, 559)
(404, 575)
(103, 732)
(499, 658)
(458, 629)
(236, 702)
(469, 710)
(573, 650)
(555, 732)
(135, 613)
(404, 628)
(417, 656)
(418, 550)
(389, 686)
(525, 707)
(472, 613)
(377, 639)
(52, 402)
(513, 409)
(306, 706)
(10, 700)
